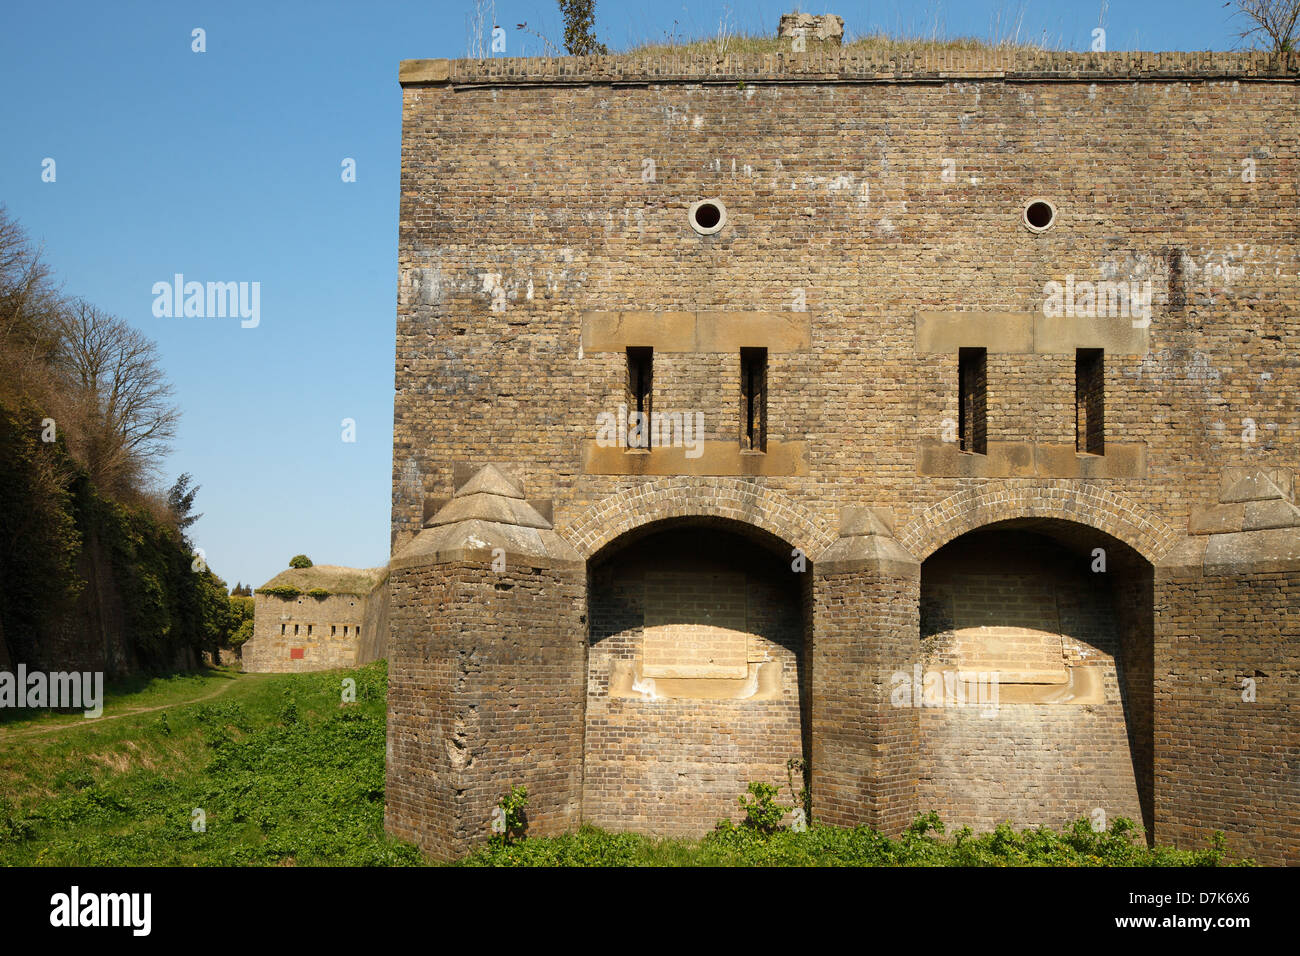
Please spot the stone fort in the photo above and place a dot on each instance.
(931, 419)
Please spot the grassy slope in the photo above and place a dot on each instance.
(283, 770)
(288, 774)
(122, 698)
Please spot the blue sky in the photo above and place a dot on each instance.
(226, 166)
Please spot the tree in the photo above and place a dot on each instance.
(28, 303)
(1274, 22)
(126, 418)
(580, 28)
(300, 561)
(180, 500)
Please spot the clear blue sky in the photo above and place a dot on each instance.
(225, 166)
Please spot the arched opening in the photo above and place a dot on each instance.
(696, 675)
(1036, 676)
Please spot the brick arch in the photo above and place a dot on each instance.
(1098, 508)
(729, 498)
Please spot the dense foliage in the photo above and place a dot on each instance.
(283, 772)
(286, 770)
(95, 565)
(922, 845)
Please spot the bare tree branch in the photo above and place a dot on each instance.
(1273, 22)
(127, 418)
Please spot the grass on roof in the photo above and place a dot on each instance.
(874, 43)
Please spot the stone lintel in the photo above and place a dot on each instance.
(717, 458)
(940, 459)
(1027, 332)
(696, 331)
(946, 332)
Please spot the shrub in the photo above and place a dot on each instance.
(281, 590)
(762, 813)
(511, 816)
(300, 561)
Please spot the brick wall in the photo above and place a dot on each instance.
(861, 194)
(1222, 762)
(304, 633)
(1023, 605)
(845, 210)
(485, 693)
(670, 764)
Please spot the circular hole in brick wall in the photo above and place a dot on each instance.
(708, 216)
(1039, 214)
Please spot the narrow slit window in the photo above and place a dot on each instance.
(281, 628)
(973, 389)
(640, 390)
(1090, 401)
(753, 399)
(334, 630)
(309, 630)
(295, 629)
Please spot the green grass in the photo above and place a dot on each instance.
(874, 43)
(126, 696)
(921, 845)
(287, 774)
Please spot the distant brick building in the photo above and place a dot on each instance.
(965, 374)
(318, 618)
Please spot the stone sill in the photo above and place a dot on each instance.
(936, 458)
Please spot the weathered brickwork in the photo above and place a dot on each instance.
(672, 757)
(485, 693)
(338, 618)
(1222, 761)
(879, 204)
(1044, 622)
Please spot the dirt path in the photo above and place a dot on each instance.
(8, 735)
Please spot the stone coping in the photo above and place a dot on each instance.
(846, 65)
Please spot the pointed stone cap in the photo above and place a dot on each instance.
(1254, 529)
(489, 496)
(1256, 484)
(489, 480)
(486, 516)
(867, 542)
(1251, 500)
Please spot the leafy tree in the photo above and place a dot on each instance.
(300, 561)
(580, 28)
(180, 500)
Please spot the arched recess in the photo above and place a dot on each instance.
(1090, 505)
(1052, 621)
(697, 673)
(733, 499)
